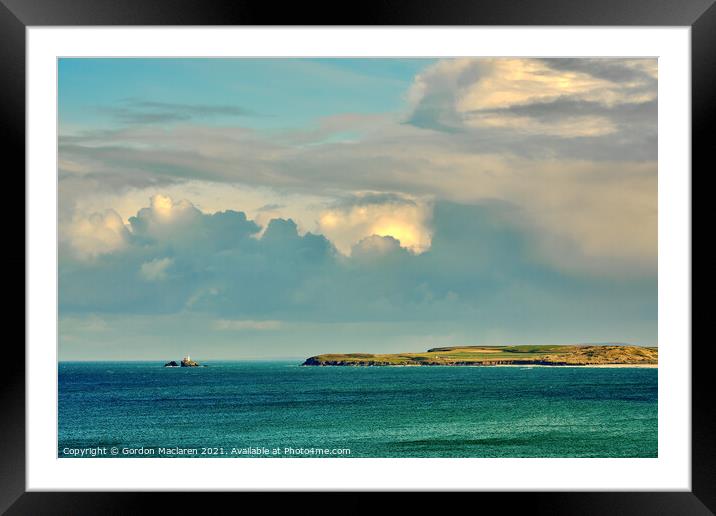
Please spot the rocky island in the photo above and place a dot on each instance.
(557, 355)
(186, 362)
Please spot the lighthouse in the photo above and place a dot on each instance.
(188, 362)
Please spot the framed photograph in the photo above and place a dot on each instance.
(421, 249)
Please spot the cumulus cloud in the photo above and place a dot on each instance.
(578, 201)
(162, 214)
(405, 220)
(572, 142)
(215, 264)
(96, 234)
(375, 246)
(482, 272)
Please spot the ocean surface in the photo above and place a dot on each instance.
(280, 409)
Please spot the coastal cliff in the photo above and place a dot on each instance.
(574, 355)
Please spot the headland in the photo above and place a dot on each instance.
(550, 355)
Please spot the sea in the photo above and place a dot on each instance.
(281, 409)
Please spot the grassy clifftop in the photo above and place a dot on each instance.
(499, 355)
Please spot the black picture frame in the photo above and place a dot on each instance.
(17, 15)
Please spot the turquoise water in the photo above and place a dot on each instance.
(279, 409)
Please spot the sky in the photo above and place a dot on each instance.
(283, 208)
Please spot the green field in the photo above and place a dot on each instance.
(500, 355)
